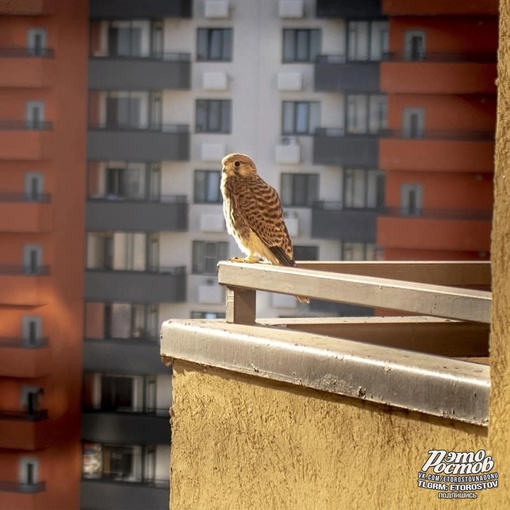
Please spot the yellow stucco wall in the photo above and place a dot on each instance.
(240, 442)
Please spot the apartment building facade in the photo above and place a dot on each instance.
(373, 120)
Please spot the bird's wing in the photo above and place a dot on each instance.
(263, 214)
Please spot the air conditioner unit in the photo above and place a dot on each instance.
(290, 81)
(291, 8)
(216, 9)
(288, 151)
(215, 80)
(210, 294)
(212, 223)
(212, 152)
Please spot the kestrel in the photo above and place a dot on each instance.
(254, 215)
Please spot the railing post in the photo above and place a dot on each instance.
(240, 306)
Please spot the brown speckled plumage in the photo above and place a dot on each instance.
(253, 213)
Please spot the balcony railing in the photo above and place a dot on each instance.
(24, 270)
(160, 484)
(439, 214)
(25, 488)
(158, 411)
(41, 414)
(163, 199)
(23, 343)
(439, 134)
(156, 128)
(428, 57)
(26, 53)
(25, 197)
(25, 125)
(171, 271)
(165, 56)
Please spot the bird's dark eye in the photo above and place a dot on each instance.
(237, 164)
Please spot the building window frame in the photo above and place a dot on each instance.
(299, 189)
(214, 44)
(207, 254)
(300, 117)
(206, 187)
(213, 116)
(301, 45)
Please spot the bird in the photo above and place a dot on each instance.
(253, 214)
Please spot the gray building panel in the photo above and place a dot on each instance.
(127, 496)
(344, 77)
(125, 428)
(348, 8)
(146, 9)
(138, 145)
(136, 286)
(123, 356)
(140, 74)
(358, 151)
(352, 225)
(137, 216)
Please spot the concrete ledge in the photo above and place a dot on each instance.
(434, 385)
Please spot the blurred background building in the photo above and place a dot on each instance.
(374, 121)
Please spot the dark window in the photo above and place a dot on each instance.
(116, 393)
(213, 116)
(214, 44)
(207, 255)
(301, 44)
(300, 117)
(207, 187)
(299, 190)
(306, 252)
(363, 188)
(365, 113)
(358, 251)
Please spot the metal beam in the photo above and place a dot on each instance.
(434, 385)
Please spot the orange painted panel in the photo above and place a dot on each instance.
(24, 362)
(25, 217)
(26, 145)
(21, 290)
(27, 72)
(405, 7)
(438, 77)
(433, 234)
(25, 434)
(436, 155)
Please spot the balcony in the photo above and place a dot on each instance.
(168, 71)
(103, 426)
(334, 73)
(20, 430)
(20, 213)
(165, 285)
(435, 229)
(21, 68)
(132, 356)
(134, 9)
(465, 151)
(155, 144)
(25, 142)
(439, 73)
(23, 488)
(21, 288)
(335, 147)
(164, 213)
(126, 495)
(348, 9)
(330, 220)
(24, 358)
(27, 7)
(439, 7)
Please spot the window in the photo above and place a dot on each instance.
(28, 470)
(306, 252)
(207, 187)
(34, 114)
(32, 259)
(363, 188)
(214, 44)
(31, 330)
(300, 117)
(127, 251)
(358, 251)
(414, 41)
(414, 122)
(36, 42)
(365, 113)
(301, 44)
(213, 116)
(207, 315)
(299, 190)
(411, 198)
(31, 399)
(207, 255)
(367, 40)
(33, 186)
(121, 320)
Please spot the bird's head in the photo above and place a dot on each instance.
(238, 165)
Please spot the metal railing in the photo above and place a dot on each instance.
(24, 343)
(27, 488)
(25, 125)
(343, 59)
(160, 56)
(428, 57)
(25, 197)
(24, 270)
(159, 412)
(18, 52)
(39, 415)
(114, 478)
(158, 128)
(172, 271)
(164, 199)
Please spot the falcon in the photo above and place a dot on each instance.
(254, 215)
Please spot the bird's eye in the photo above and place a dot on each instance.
(237, 164)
